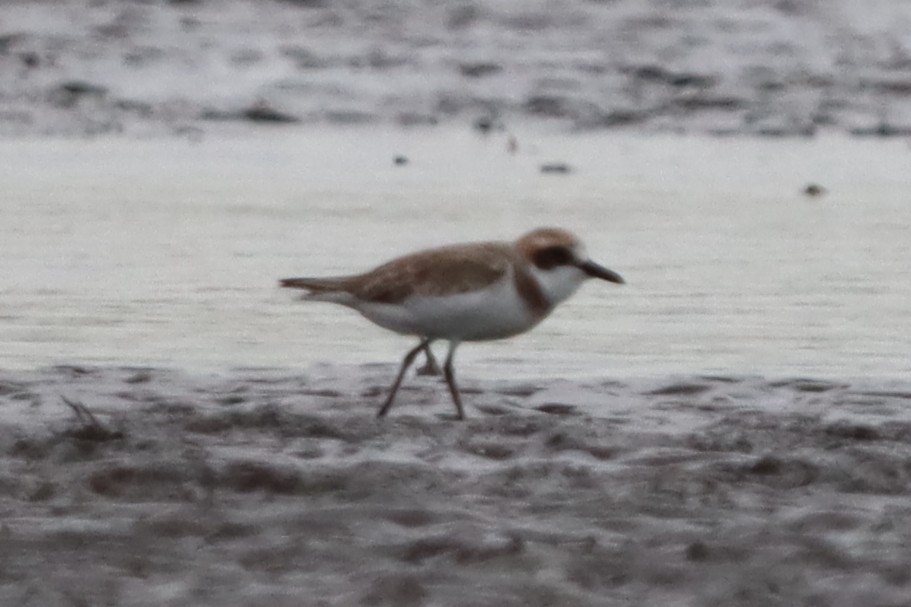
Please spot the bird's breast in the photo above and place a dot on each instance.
(499, 310)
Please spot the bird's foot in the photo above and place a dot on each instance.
(430, 368)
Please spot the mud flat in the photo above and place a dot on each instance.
(767, 67)
(160, 487)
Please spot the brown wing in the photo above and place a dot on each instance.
(443, 271)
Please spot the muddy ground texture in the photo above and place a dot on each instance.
(153, 487)
(766, 67)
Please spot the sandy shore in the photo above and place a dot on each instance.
(143, 486)
(768, 67)
(280, 487)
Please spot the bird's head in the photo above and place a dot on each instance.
(560, 263)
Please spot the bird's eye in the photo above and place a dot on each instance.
(552, 257)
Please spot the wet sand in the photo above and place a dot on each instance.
(148, 486)
(764, 67)
(279, 487)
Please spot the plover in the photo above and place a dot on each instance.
(463, 292)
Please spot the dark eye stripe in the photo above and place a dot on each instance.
(552, 257)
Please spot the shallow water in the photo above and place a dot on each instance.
(166, 252)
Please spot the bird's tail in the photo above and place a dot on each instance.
(321, 289)
(314, 285)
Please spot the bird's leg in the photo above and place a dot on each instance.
(406, 362)
(450, 380)
(430, 367)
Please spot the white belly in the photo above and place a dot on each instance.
(494, 312)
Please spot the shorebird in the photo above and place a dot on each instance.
(463, 292)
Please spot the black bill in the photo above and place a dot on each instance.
(597, 271)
